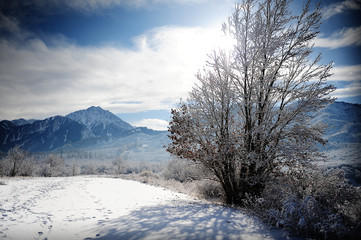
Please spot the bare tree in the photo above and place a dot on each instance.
(248, 118)
(15, 162)
(75, 168)
(119, 165)
(53, 165)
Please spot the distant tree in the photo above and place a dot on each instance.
(119, 165)
(15, 162)
(29, 167)
(74, 168)
(248, 118)
(53, 165)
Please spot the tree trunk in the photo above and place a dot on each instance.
(13, 170)
(232, 193)
(236, 192)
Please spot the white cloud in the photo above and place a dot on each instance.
(345, 37)
(346, 73)
(352, 91)
(340, 7)
(155, 124)
(349, 74)
(38, 81)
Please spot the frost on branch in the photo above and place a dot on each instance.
(248, 118)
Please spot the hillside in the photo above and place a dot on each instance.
(343, 149)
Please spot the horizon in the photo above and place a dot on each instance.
(152, 123)
(136, 59)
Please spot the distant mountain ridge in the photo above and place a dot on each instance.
(95, 129)
(81, 129)
(41, 135)
(344, 122)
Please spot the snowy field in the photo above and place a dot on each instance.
(109, 208)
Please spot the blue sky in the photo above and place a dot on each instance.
(135, 58)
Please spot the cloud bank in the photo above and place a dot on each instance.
(38, 81)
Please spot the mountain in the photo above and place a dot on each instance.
(78, 130)
(41, 135)
(343, 134)
(100, 122)
(20, 121)
(344, 123)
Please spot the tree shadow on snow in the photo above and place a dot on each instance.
(184, 221)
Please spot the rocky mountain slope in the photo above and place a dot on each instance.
(41, 135)
(90, 127)
(100, 123)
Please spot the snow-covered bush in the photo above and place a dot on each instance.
(118, 165)
(52, 166)
(182, 171)
(147, 176)
(316, 203)
(17, 162)
(88, 168)
(209, 189)
(30, 167)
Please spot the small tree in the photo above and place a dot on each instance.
(15, 162)
(74, 169)
(119, 165)
(53, 165)
(249, 116)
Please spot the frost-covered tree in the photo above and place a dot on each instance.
(53, 166)
(248, 118)
(16, 162)
(119, 165)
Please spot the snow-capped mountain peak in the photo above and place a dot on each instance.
(97, 118)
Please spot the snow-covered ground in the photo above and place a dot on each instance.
(110, 208)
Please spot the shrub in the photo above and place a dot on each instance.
(88, 168)
(209, 189)
(29, 168)
(182, 171)
(317, 203)
(52, 166)
(147, 177)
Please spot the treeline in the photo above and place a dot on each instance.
(18, 162)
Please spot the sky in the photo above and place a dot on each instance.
(136, 58)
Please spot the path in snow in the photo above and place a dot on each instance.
(110, 208)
